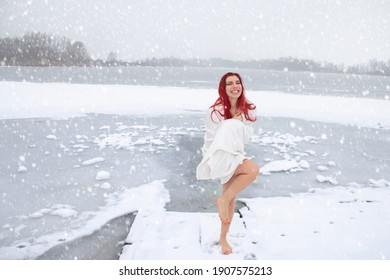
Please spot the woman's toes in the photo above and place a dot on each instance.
(225, 247)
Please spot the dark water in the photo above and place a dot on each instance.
(359, 154)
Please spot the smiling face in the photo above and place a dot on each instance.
(233, 88)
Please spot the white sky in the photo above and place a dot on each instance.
(348, 31)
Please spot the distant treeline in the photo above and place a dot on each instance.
(40, 49)
(373, 67)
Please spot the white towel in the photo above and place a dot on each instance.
(226, 152)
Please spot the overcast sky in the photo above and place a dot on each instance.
(344, 31)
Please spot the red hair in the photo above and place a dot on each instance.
(243, 104)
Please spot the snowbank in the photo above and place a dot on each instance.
(31, 100)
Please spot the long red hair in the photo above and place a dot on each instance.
(243, 104)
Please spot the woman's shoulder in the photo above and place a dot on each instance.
(216, 108)
(252, 111)
(215, 113)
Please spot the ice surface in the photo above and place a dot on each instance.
(284, 165)
(154, 197)
(51, 200)
(28, 100)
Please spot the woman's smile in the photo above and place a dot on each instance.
(233, 87)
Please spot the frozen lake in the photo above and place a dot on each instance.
(73, 158)
(201, 77)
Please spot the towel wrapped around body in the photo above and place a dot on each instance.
(223, 150)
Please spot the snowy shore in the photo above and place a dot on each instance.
(341, 223)
(75, 157)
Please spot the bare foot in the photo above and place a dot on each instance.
(223, 210)
(225, 247)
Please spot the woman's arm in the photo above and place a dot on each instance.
(249, 130)
(213, 121)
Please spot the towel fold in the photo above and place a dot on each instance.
(226, 152)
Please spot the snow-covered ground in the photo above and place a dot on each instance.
(76, 157)
(334, 223)
(34, 100)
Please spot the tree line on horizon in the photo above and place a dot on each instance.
(42, 50)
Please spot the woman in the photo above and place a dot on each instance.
(228, 127)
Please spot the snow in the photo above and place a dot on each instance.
(103, 175)
(105, 186)
(321, 224)
(22, 169)
(28, 100)
(342, 220)
(322, 168)
(324, 179)
(379, 183)
(51, 137)
(284, 165)
(92, 161)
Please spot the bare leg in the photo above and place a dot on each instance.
(245, 174)
(225, 246)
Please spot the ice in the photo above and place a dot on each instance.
(92, 161)
(379, 183)
(154, 197)
(105, 186)
(132, 169)
(141, 136)
(64, 213)
(157, 142)
(361, 111)
(40, 213)
(51, 137)
(22, 169)
(284, 165)
(322, 168)
(325, 179)
(103, 175)
(141, 141)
